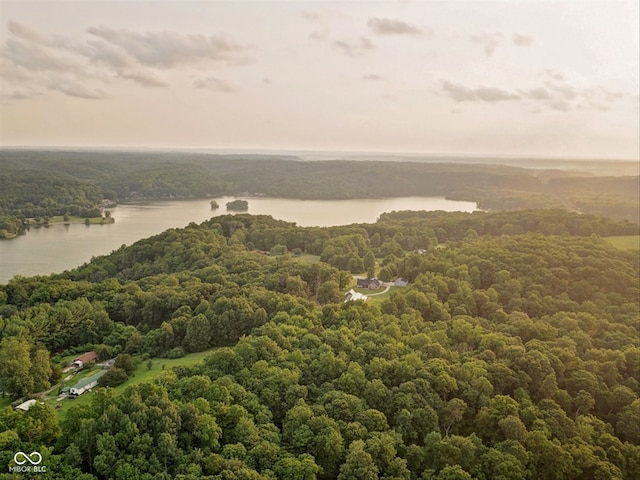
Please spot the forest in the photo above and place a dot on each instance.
(513, 353)
(38, 183)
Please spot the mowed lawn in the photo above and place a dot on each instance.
(625, 242)
(307, 258)
(376, 296)
(142, 374)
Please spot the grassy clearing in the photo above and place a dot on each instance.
(59, 219)
(382, 296)
(308, 258)
(141, 375)
(72, 219)
(4, 402)
(625, 242)
(376, 296)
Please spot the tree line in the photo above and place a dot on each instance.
(41, 183)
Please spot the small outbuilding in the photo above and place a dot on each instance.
(79, 362)
(25, 406)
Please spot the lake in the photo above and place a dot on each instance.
(62, 247)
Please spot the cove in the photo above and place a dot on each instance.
(43, 251)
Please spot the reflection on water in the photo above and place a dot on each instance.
(61, 247)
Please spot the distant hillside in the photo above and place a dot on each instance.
(40, 183)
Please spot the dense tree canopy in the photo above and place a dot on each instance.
(514, 352)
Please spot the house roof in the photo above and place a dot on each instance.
(26, 405)
(86, 357)
(353, 295)
(87, 380)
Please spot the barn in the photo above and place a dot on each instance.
(84, 358)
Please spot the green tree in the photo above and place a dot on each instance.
(41, 370)
(15, 367)
(453, 413)
(329, 292)
(453, 472)
(113, 377)
(301, 468)
(369, 261)
(198, 335)
(359, 465)
(628, 425)
(125, 362)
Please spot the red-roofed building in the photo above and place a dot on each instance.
(84, 358)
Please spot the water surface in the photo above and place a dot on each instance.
(62, 247)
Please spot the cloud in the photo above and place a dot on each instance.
(355, 48)
(372, 77)
(24, 32)
(13, 73)
(143, 79)
(72, 88)
(35, 57)
(215, 84)
(560, 105)
(539, 93)
(387, 26)
(565, 90)
(553, 75)
(169, 49)
(17, 95)
(609, 96)
(559, 95)
(6, 98)
(319, 34)
(109, 55)
(79, 66)
(319, 19)
(522, 40)
(490, 41)
(460, 93)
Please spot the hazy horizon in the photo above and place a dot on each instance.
(485, 78)
(309, 153)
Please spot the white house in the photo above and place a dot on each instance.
(352, 295)
(86, 384)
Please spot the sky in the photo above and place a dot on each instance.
(556, 78)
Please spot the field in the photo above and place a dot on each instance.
(308, 258)
(142, 374)
(625, 242)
